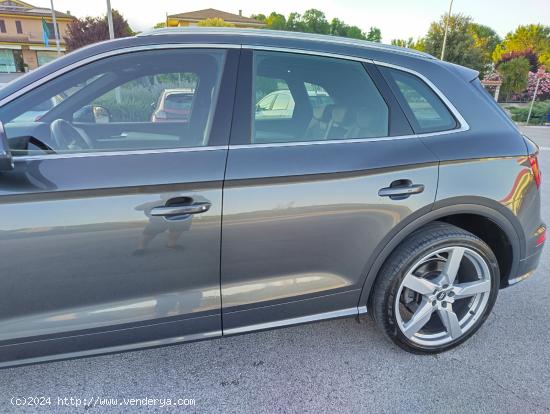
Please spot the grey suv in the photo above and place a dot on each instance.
(404, 191)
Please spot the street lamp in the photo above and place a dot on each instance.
(446, 29)
(110, 20)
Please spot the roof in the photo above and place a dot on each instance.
(21, 8)
(204, 14)
(279, 34)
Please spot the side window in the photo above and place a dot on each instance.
(142, 100)
(310, 98)
(428, 111)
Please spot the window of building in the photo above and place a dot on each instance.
(429, 113)
(43, 57)
(52, 30)
(7, 61)
(18, 27)
(2, 26)
(308, 98)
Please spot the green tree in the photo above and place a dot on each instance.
(486, 39)
(260, 17)
(515, 76)
(294, 23)
(338, 27)
(159, 25)
(315, 21)
(214, 22)
(533, 36)
(356, 33)
(276, 21)
(374, 34)
(460, 48)
(403, 43)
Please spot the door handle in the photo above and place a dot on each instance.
(401, 189)
(181, 210)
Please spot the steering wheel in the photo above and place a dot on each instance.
(66, 136)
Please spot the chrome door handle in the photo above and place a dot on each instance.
(402, 191)
(180, 210)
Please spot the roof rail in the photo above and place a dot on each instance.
(286, 35)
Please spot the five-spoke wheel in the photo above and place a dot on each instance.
(436, 289)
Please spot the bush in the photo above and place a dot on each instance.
(538, 115)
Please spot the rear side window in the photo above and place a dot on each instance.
(311, 98)
(425, 109)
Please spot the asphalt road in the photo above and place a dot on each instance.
(337, 365)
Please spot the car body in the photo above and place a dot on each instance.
(130, 233)
(173, 105)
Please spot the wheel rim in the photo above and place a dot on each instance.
(442, 296)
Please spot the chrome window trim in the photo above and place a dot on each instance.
(464, 126)
(116, 153)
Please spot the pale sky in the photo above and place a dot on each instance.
(396, 18)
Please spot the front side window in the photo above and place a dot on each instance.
(142, 100)
(309, 98)
(429, 113)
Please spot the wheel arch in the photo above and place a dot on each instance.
(455, 211)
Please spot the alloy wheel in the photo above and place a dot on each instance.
(442, 296)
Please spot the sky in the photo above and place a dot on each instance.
(396, 18)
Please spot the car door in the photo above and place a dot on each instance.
(112, 229)
(309, 197)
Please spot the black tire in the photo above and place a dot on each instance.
(430, 238)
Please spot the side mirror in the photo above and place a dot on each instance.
(101, 114)
(92, 114)
(6, 160)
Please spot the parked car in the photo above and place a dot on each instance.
(280, 104)
(173, 105)
(407, 193)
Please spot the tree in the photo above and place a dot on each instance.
(276, 21)
(260, 17)
(315, 22)
(355, 33)
(514, 75)
(374, 34)
(534, 36)
(461, 47)
(486, 39)
(294, 23)
(159, 25)
(214, 22)
(82, 32)
(409, 43)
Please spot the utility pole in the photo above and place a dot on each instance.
(540, 74)
(110, 20)
(446, 30)
(56, 31)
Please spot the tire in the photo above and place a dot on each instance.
(402, 299)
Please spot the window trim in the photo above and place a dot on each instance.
(463, 125)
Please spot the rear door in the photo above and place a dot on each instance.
(310, 195)
(111, 227)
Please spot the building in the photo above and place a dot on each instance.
(192, 18)
(21, 35)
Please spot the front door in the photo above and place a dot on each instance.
(110, 222)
